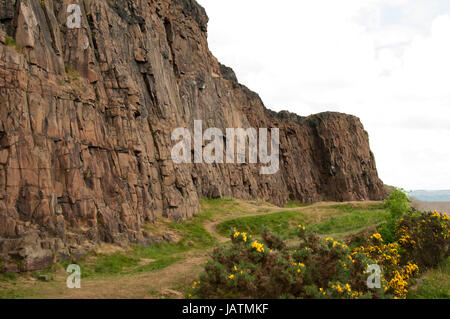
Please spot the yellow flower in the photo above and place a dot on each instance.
(258, 246)
(377, 236)
(231, 276)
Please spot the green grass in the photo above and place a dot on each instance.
(72, 74)
(113, 264)
(14, 291)
(346, 208)
(5, 277)
(158, 264)
(277, 223)
(350, 219)
(295, 204)
(435, 284)
(9, 41)
(354, 220)
(12, 294)
(193, 237)
(218, 207)
(118, 263)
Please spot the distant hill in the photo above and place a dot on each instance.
(431, 196)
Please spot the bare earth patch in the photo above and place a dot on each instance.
(443, 207)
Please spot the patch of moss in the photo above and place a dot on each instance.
(72, 74)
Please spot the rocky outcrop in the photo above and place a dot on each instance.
(86, 116)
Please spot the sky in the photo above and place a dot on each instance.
(385, 61)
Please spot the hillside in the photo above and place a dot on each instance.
(86, 119)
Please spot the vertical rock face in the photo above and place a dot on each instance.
(86, 116)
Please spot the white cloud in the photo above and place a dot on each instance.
(384, 61)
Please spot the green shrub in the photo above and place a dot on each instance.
(398, 205)
(324, 268)
(397, 271)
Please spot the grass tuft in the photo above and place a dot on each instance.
(434, 285)
(10, 42)
(278, 223)
(72, 74)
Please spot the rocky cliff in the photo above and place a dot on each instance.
(86, 116)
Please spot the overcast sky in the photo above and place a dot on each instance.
(386, 61)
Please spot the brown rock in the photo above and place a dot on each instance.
(3, 156)
(86, 117)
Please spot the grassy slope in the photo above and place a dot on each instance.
(352, 220)
(339, 220)
(435, 284)
(140, 272)
(192, 236)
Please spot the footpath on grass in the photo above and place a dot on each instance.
(167, 270)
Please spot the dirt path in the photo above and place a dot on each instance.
(431, 206)
(211, 226)
(169, 282)
(164, 283)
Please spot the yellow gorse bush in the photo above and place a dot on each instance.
(242, 235)
(258, 246)
(387, 256)
(318, 268)
(424, 237)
